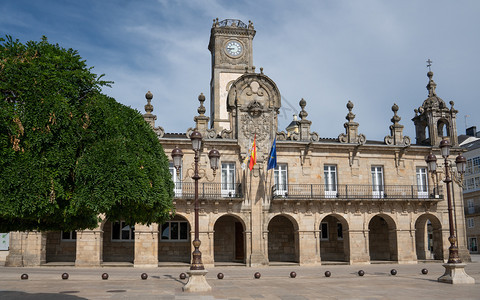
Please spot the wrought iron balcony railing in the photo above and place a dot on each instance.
(208, 190)
(355, 192)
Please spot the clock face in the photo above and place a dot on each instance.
(234, 48)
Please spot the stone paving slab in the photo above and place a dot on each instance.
(239, 283)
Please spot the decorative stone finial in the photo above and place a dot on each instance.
(350, 116)
(351, 129)
(261, 70)
(396, 131)
(303, 114)
(395, 119)
(149, 106)
(201, 109)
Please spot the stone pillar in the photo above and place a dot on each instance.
(406, 252)
(89, 248)
(27, 249)
(256, 195)
(35, 249)
(15, 253)
(359, 252)
(248, 247)
(146, 246)
(307, 248)
(206, 237)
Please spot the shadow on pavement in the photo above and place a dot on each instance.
(7, 295)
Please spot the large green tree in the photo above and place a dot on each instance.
(68, 153)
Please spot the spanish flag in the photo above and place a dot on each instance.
(253, 154)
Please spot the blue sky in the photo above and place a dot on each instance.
(327, 52)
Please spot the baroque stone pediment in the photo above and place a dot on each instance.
(254, 100)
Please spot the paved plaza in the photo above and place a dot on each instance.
(239, 283)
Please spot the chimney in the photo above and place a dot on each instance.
(471, 131)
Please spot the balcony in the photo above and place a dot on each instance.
(472, 210)
(208, 191)
(354, 192)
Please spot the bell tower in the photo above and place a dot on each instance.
(231, 49)
(433, 120)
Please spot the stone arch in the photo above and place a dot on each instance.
(61, 246)
(443, 128)
(174, 241)
(428, 237)
(283, 239)
(118, 241)
(334, 238)
(382, 238)
(229, 244)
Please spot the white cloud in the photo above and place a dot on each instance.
(328, 52)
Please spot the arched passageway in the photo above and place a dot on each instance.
(428, 238)
(334, 240)
(229, 240)
(118, 242)
(61, 246)
(382, 238)
(282, 240)
(174, 244)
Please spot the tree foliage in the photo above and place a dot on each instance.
(68, 153)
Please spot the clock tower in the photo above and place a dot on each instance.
(231, 49)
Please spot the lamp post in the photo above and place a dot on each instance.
(454, 268)
(196, 279)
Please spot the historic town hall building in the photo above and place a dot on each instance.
(344, 199)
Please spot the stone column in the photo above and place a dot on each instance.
(27, 249)
(256, 195)
(35, 249)
(146, 246)
(15, 253)
(406, 252)
(359, 252)
(206, 237)
(307, 248)
(89, 248)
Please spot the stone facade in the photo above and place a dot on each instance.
(345, 199)
(471, 185)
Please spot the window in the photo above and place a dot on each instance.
(468, 170)
(472, 244)
(339, 231)
(175, 231)
(324, 231)
(377, 182)
(177, 179)
(422, 183)
(280, 178)
(470, 183)
(477, 182)
(69, 235)
(476, 164)
(470, 206)
(228, 179)
(470, 223)
(122, 232)
(330, 173)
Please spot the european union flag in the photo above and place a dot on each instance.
(272, 158)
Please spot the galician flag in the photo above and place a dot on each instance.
(253, 154)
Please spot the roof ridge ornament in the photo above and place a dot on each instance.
(351, 129)
(396, 131)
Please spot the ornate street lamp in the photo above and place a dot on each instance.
(454, 268)
(196, 279)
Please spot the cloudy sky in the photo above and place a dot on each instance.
(328, 52)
